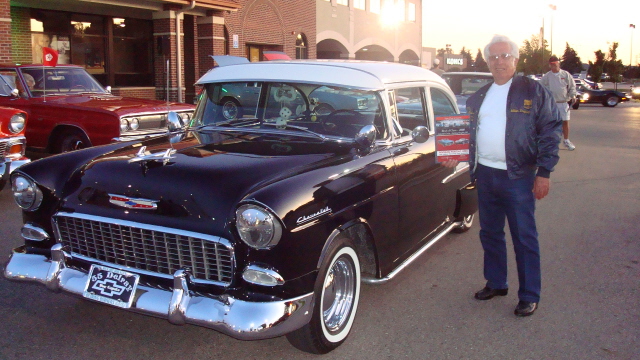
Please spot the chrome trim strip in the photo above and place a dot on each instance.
(391, 275)
(457, 172)
(241, 319)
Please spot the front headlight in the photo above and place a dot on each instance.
(257, 226)
(17, 123)
(636, 91)
(585, 97)
(124, 125)
(26, 193)
(134, 124)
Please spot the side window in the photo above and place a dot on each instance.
(8, 82)
(411, 108)
(442, 104)
(231, 101)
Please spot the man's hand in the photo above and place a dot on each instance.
(572, 101)
(541, 187)
(450, 163)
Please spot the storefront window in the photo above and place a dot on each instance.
(82, 39)
(301, 47)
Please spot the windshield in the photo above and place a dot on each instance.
(466, 85)
(322, 109)
(60, 80)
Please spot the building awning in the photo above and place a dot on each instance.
(275, 55)
(209, 4)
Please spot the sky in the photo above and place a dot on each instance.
(584, 24)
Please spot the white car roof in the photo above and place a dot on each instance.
(367, 75)
(468, 73)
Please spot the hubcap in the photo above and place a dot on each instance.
(229, 110)
(338, 294)
(612, 101)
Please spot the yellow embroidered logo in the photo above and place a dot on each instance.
(527, 104)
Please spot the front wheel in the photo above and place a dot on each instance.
(230, 109)
(336, 296)
(611, 101)
(70, 140)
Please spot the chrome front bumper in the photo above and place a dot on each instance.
(244, 320)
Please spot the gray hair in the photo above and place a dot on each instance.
(515, 49)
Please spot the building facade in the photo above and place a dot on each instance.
(159, 48)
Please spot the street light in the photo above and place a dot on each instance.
(632, 27)
(552, 7)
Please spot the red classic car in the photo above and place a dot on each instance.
(12, 141)
(70, 110)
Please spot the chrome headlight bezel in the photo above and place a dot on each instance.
(258, 226)
(26, 193)
(17, 122)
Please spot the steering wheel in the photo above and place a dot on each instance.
(329, 124)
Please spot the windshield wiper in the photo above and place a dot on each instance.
(320, 136)
(234, 122)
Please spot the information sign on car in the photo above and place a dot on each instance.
(111, 286)
(452, 138)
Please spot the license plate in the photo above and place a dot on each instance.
(111, 286)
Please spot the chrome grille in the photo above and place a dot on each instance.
(3, 149)
(149, 248)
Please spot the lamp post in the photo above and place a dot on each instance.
(632, 27)
(552, 7)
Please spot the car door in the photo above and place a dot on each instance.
(422, 199)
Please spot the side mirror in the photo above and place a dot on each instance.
(108, 88)
(15, 93)
(366, 136)
(420, 134)
(174, 121)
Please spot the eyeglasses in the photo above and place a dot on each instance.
(503, 56)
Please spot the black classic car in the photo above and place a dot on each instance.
(588, 95)
(279, 216)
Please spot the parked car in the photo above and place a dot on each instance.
(279, 216)
(609, 98)
(464, 84)
(12, 142)
(446, 142)
(71, 110)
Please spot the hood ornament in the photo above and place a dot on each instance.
(144, 155)
(133, 203)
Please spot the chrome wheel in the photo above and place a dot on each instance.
(231, 110)
(338, 295)
(612, 101)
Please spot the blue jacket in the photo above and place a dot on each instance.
(533, 128)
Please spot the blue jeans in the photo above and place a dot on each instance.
(500, 197)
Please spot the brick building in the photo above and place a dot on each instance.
(132, 45)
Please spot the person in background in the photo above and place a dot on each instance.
(563, 88)
(436, 67)
(514, 135)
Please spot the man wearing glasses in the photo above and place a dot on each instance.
(515, 132)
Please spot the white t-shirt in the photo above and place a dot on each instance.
(492, 125)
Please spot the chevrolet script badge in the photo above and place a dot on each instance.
(133, 203)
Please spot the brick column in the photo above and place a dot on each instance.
(5, 32)
(211, 39)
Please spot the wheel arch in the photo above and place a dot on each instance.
(60, 129)
(359, 232)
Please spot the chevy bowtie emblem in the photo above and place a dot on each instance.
(133, 203)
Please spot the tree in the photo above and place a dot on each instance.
(479, 64)
(571, 61)
(466, 54)
(441, 52)
(613, 66)
(595, 68)
(533, 57)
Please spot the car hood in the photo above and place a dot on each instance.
(200, 181)
(111, 103)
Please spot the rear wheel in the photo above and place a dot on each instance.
(337, 292)
(230, 109)
(70, 140)
(611, 101)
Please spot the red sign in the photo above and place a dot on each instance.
(49, 57)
